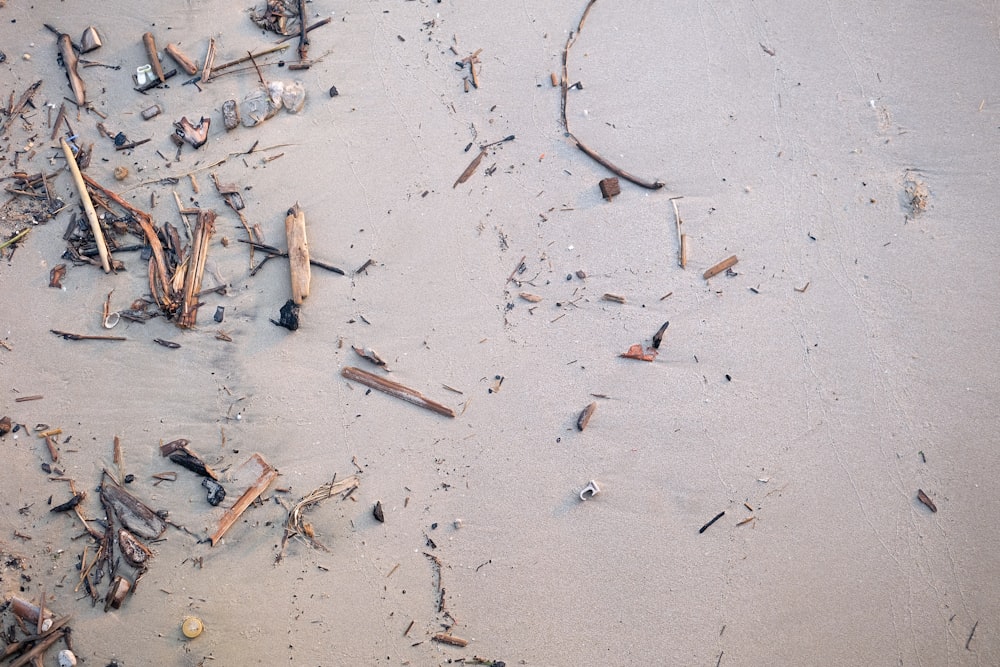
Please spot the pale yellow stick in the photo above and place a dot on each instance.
(88, 206)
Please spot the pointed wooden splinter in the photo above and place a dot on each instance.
(267, 475)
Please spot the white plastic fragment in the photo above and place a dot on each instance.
(590, 491)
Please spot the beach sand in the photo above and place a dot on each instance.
(848, 361)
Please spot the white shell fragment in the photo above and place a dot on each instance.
(66, 658)
(293, 97)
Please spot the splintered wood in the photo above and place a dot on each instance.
(266, 475)
(203, 231)
(298, 253)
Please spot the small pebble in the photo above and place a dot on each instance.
(27, 56)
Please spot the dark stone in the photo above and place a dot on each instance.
(289, 316)
(120, 139)
(216, 494)
(333, 91)
(378, 513)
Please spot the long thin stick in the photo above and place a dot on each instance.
(651, 185)
(238, 61)
(88, 206)
(206, 71)
(395, 389)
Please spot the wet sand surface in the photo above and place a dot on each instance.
(847, 361)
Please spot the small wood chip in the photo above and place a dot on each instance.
(617, 298)
(528, 296)
(610, 187)
(922, 497)
(584, 418)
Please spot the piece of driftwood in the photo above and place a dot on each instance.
(88, 206)
(470, 170)
(154, 57)
(607, 164)
(312, 27)
(69, 62)
(181, 59)
(190, 460)
(298, 252)
(206, 70)
(264, 479)
(585, 415)
(447, 638)
(303, 32)
(715, 270)
(610, 188)
(203, 231)
(295, 523)
(395, 389)
(44, 642)
(133, 514)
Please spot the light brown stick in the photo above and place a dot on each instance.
(395, 389)
(720, 267)
(69, 62)
(267, 475)
(446, 638)
(154, 57)
(298, 252)
(181, 59)
(206, 72)
(88, 205)
(470, 170)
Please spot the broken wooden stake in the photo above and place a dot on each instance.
(203, 231)
(181, 59)
(264, 479)
(154, 57)
(69, 62)
(298, 252)
(727, 263)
